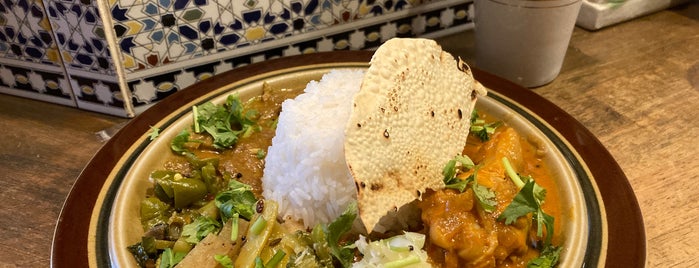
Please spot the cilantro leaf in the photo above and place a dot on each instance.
(170, 258)
(548, 258)
(481, 129)
(260, 154)
(224, 260)
(153, 133)
(237, 200)
(484, 195)
(459, 163)
(459, 185)
(224, 123)
(336, 229)
(200, 228)
(177, 144)
(523, 204)
(529, 200)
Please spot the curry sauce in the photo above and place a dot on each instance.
(461, 234)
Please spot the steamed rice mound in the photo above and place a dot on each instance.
(305, 169)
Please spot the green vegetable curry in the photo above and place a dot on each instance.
(205, 206)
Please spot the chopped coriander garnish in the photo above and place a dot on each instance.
(170, 258)
(200, 228)
(237, 201)
(224, 261)
(548, 258)
(481, 129)
(153, 133)
(224, 123)
(484, 195)
(177, 144)
(261, 154)
(336, 229)
(529, 200)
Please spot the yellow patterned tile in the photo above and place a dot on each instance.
(66, 56)
(341, 44)
(134, 27)
(404, 28)
(204, 76)
(255, 33)
(87, 89)
(461, 14)
(309, 50)
(22, 79)
(373, 36)
(129, 61)
(363, 10)
(53, 55)
(52, 84)
(165, 86)
(45, 24)
(433, 21)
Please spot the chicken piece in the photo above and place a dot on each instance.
(461, 234)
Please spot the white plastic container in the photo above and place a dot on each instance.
(522, 40)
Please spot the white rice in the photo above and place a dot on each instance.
(305, 170)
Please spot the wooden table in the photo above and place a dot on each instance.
(634, 85)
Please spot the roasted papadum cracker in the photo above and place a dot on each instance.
(410, 117)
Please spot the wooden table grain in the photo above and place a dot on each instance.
(634, 85)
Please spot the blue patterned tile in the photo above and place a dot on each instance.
(167, 45)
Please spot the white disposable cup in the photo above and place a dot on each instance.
(524, 41)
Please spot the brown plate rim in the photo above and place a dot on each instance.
(626, 245)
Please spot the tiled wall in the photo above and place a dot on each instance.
(121, 56)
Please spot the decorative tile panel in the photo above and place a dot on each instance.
(78, 29)
(231, 35)
(30, 62)
(81, 38)
(163, 46)
(25, 33)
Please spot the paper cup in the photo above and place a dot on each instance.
(524, 41)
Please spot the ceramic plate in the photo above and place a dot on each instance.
(603, 225)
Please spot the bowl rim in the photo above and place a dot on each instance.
(626, 237)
